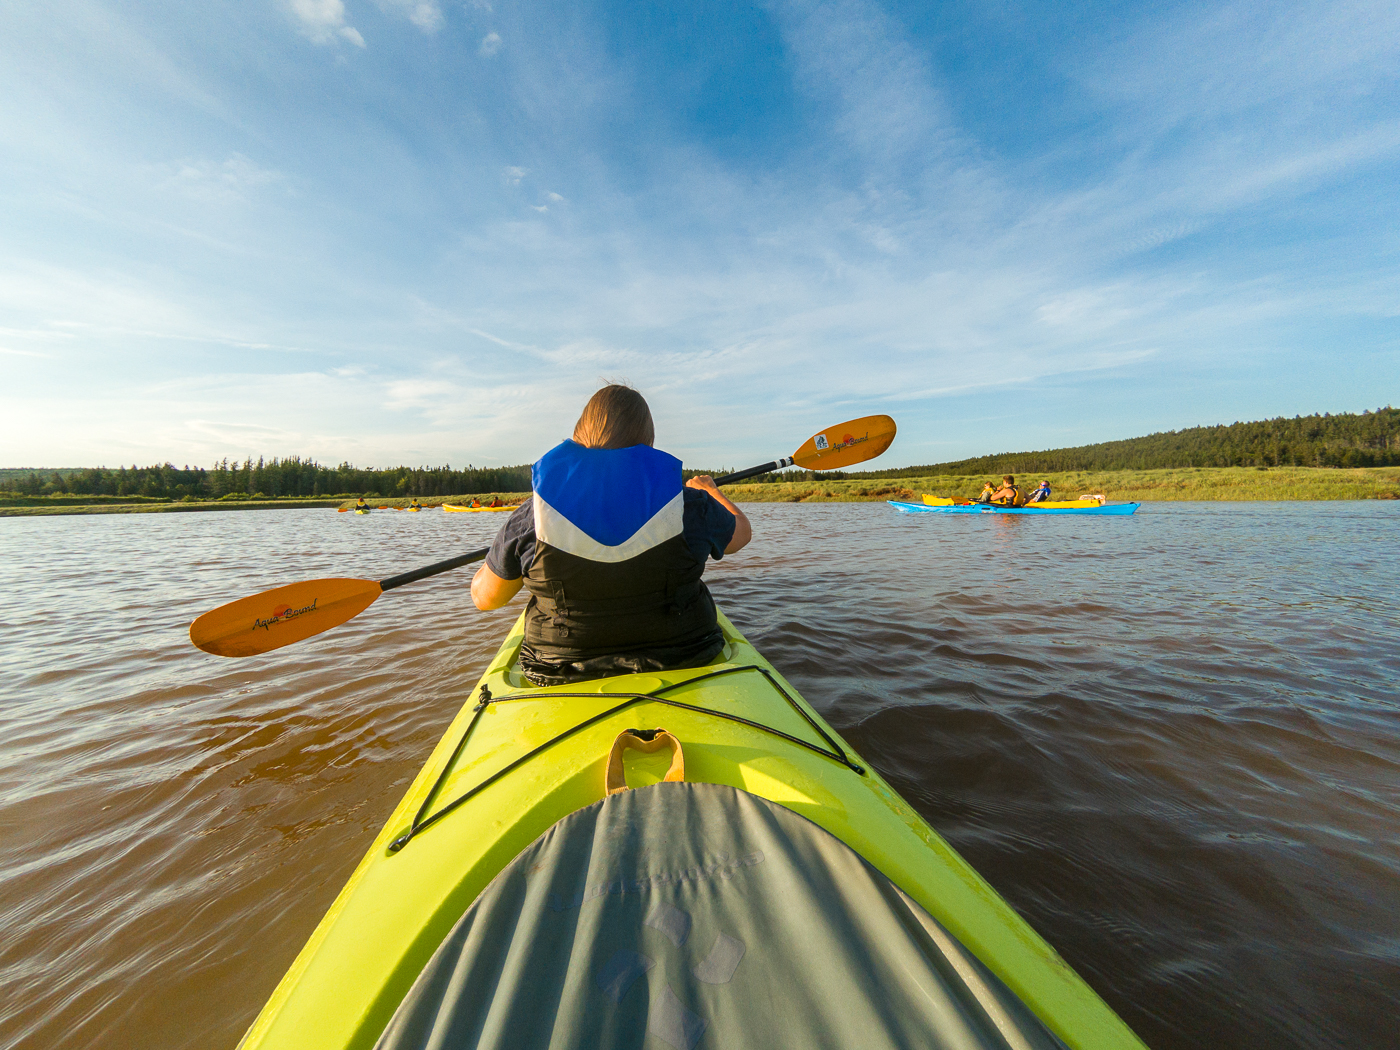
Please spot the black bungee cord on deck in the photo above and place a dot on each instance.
(422, 819)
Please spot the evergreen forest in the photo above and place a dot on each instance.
(275, 478)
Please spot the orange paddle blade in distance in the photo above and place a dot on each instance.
(846, 444)
(263, 622)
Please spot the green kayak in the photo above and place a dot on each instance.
(757, 885)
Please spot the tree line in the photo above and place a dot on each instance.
(1370, 439)
(266, 478)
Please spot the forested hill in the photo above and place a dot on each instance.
(1371, 439)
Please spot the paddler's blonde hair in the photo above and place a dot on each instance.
(615, 417)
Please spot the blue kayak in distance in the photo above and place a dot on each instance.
(993, 508)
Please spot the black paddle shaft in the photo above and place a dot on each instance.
(466, 559)
(740, 475)
(432, 570)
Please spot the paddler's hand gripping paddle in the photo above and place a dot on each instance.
(263, 622)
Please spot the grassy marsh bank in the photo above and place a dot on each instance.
(1186, 483)
(49, 506)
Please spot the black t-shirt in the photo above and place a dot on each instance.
(706, 527)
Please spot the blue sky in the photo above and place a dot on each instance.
(423, 231)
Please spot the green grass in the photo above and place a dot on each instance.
(50, 506)
(1186, 483)
(16, 506)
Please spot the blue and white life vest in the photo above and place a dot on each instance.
(613, 586)
(607, 505)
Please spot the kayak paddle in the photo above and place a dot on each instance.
(271, 619)
(263, 622)
(839, 446)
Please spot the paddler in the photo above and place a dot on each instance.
(360, 504)
(1008, 495)
(1040, 495)
(495, 502)
(415, 505)
(611, 548)
(475, 503)
(986, 494)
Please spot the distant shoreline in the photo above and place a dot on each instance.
(36, 507)
(1120, 486)
(1187, 483)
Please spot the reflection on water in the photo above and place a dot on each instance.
(1172, 741)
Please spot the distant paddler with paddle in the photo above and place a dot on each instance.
(611, 548)
(284, 615)
(1008, 495)
(362, 506)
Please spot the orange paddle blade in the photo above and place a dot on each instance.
(846, 444)
(281, 616)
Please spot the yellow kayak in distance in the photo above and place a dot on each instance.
(521, 765)
(454, 508)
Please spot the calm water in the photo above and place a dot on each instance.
(1172, 741)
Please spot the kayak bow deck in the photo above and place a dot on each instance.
(518, 759)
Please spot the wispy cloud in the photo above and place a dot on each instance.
(490, 44)
(228, 180)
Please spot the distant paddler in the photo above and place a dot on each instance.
(1040, 495)
(361, 507)
(415, 505)
(1008, 495)
(475, 504)
(495, 502)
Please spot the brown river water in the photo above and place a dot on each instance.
(1171, 741)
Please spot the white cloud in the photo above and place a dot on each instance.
(324, 20)
(421, 393)
(490, 44)
(514, 175)
(540, 207)
(425, 14)
(555, 198)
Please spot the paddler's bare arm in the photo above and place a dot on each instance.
(743, 531)
(489, 591)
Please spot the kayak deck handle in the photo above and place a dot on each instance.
(423, 819)
(647, 741)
